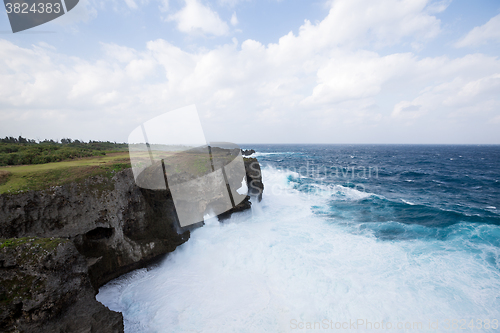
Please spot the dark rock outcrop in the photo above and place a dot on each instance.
(116, 225)
(244, 205)
(254, 177)
(44, 287)
(247, 152)
(255, 187)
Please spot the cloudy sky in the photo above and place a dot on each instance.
(259, 71)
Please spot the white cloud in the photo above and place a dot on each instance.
(489, 32)
(231, 3)
(356, 75)
(234, 19)
(459, 93)
(358, 23)
(323, 85)
(438, 6)
(131, 4)
(164, 6)
(83, 12)
(195, 18)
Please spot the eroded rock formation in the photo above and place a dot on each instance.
(104, 227)
(44, 287)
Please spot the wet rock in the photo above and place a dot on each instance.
(254, 184)
(247, 152)
(254, 177)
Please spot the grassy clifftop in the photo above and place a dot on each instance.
(14, 179)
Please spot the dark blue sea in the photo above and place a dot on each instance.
(346, 238)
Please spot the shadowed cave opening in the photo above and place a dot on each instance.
(99, 233)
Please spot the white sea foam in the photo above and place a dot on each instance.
(279, 262)
(408, 202)
(278, 181)
(257, 154)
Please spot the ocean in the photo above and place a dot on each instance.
(365, 238)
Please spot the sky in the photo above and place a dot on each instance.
(267, 71)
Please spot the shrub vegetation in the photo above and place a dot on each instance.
(22, 151)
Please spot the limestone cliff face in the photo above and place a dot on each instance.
(114, 225)
(254, 177)
(44, 287)
(255, 187)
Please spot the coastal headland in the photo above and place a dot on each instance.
(67, 228)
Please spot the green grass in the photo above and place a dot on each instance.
(15, 179)
(47, 244)
(4, 176)
(197, 164)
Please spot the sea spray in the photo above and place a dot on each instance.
(268, 270)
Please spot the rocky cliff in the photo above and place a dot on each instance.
(114, 226)
(44, 287)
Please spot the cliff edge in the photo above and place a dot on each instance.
(105, 226)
